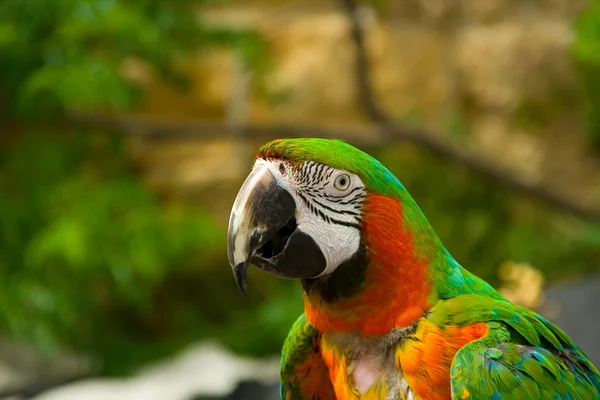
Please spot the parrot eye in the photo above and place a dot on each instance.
(342, 182)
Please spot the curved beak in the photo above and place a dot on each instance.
(263, 232)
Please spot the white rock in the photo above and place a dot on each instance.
(203, 369)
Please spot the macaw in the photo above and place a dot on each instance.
(388, 312)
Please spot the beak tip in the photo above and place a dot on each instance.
(240, 271)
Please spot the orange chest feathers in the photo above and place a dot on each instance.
(425, 359)
(420, 368)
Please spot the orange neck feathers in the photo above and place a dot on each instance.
(395, 289)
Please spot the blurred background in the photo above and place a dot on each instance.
(127, 127)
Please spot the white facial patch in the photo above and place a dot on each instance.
(328, 203)
(338, 243)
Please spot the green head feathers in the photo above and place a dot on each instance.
(340, 155)
(374, 175)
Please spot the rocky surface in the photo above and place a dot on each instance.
(202, 372)
(24, 370)
(574, 307)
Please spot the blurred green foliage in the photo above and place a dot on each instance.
(69, 54)
(81, 237)
(90, 258)
(587, 56)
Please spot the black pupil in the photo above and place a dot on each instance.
(282, 168)
(343, 182)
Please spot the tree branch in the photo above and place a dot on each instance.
(362, 67)
(371, 136)
(154, 130)
(439, 146)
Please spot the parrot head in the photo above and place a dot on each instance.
(299, 214)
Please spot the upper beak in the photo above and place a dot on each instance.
(263, 231)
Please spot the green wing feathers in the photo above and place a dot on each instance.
(511, 371)
(522, 356)
(304, 375)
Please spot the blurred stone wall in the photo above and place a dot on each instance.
(494, 74)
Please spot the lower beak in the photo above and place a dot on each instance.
(263, 231)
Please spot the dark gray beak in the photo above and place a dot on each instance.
(263, 232)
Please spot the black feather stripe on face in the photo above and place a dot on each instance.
(312, 179)
(345, 282)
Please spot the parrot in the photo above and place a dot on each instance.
(389, 314)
